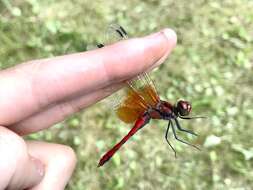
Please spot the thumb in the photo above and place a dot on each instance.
(20, 169)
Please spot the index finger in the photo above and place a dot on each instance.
(28, 88)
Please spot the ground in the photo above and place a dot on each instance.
(212, 66)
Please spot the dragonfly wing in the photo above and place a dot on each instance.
(140, 93)
(145, 87)
(114, 34)
(127, 104)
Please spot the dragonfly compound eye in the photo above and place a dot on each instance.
(184, 107)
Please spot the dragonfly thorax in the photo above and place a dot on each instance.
(163, 110)
(165, 107)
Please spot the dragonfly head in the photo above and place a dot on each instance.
(183, 108)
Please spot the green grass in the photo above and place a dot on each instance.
(212, 67)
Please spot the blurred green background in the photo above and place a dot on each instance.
(212, 66)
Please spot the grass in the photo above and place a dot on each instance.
(211, 67)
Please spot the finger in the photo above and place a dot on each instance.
(29, 88)
(60, 162)
(58, 112)
(15, 161)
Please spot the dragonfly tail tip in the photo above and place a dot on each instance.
(100, 164)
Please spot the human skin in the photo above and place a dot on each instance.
(37, 94)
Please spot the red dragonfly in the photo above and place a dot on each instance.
(141, 103)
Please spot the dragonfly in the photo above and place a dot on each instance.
(141, 103)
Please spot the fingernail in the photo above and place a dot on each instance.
(171, 36)
(39, 166)
(167, 33)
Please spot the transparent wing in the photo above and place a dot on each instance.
(145, 87)
(140, 93)
(114, 34)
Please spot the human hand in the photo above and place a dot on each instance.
(40, 93)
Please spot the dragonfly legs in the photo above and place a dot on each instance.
(184, 130)
(166, 137)
(182, 141)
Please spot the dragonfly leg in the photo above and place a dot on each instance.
(184, 130)
(166, 137)
(182, 141)
(194, 117)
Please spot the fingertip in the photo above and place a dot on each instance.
(131, 57)
(167, 45)
(60, 161)
(171, 36)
